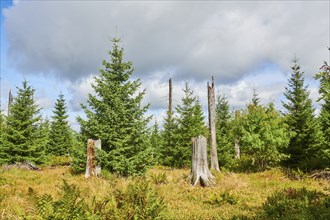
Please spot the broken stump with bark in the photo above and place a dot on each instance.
(91, 168)
(200, 173)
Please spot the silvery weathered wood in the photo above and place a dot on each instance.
(237, 149)
(212, 126)
(200, 173)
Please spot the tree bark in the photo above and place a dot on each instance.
(212, 126)
(200, 173)
(91, 168)
(170, 96)
(237, 149)
(10, 101)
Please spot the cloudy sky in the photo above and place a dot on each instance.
(58, 46)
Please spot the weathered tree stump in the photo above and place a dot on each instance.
(200, 173)
(91, 168)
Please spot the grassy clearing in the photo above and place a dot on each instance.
(234, 194)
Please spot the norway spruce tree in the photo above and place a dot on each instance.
(225, 140)
(2, 125)
(263, 135)
(324, 117)
(305, 144)
(190, 124)
(156, 143)
(21, 138)
(60, 137)
(255, 98)
(114, 114)
(2, 121)
(169, 139)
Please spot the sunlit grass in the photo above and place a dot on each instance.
(234, 193)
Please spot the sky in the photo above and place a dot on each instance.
(58, 46)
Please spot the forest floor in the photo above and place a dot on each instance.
(234, 194)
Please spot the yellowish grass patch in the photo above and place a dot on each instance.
(234, 193)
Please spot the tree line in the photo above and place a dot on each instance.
(257, 137)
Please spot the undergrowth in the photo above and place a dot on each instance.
(297, 204)
(163, 193)
(138, 201)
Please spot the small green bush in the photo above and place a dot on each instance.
(70, 205)
(107, 175)
(222, 198)
(79, 156)
(139, 201)
(159, 178)
(58, 161)
(297, 204)
(294, 174)
(244, 164)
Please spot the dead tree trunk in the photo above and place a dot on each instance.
(91, 168)
(170, 96)
(200, 173)
(212, 125)
(10, 101)
(237, 149)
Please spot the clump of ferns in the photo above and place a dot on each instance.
(70, 205)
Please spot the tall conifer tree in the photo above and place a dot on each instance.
(169, 138)
(21, 139)
(190, 124)
(305, 143)
(60, 137)
(224, 139)
(324, 91)
(115, 115)
(156, 142)
(263, 135)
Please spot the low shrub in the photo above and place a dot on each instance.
(70, 205)
(139, 201)
(58, 161)
(294, 174)
(159, 178)
(222, 198)
(244, 164)
(297, 204)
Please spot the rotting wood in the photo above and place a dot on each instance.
(91, 168)
(200, 173)
(212, 126)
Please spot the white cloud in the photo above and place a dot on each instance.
(196, 39)
(80, 91)
(243, 44)
(44, 102)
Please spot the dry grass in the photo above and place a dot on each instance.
(247, 191)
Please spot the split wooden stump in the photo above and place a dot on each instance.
(91, 168)
(200, 173)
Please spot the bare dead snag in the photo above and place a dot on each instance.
(170, 96)
(237, 149)
(10, 101)
(91, 168)
(200, 173)
(212, 126)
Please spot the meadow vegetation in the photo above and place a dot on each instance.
(162, 193)
(266, 155)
